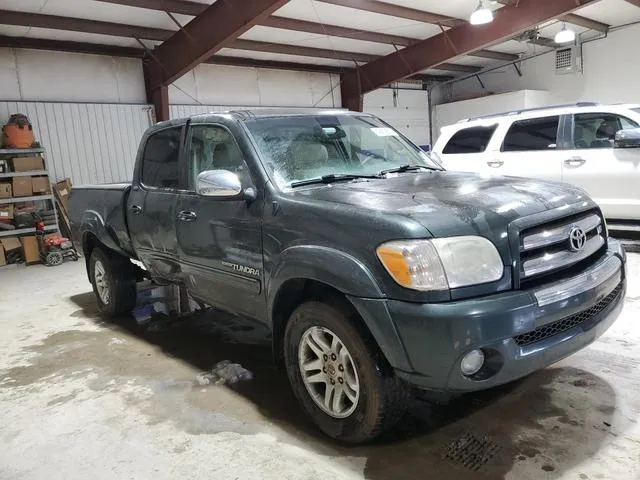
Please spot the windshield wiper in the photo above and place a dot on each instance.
(406, 168)
(332, 177)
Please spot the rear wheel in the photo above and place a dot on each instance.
(339, 375)
(113, 281)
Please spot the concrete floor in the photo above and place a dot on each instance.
(82, 397)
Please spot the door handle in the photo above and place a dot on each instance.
(135, 209)
(187, 216)
(495, 163)
(574, 161)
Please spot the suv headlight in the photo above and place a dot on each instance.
(441, 263)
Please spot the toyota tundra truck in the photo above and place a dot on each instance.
(379, 273)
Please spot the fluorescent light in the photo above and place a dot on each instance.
(481, 15)
(565, 35)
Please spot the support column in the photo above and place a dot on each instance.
(158, 96)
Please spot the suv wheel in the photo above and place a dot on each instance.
(113, 281)
(339, 376)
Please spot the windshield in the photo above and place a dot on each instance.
(298, 148)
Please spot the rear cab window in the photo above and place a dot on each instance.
(160, 159)
(469, 140)
(532, 134)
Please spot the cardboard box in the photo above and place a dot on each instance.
(27, 164)
(31, 249)
(5, 190)
(22, 187)
(64, 189)
(40, 185)
(3, 259)
(6, 212)
(10, 243)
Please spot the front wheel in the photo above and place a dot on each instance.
(113, 281)
(339, 375)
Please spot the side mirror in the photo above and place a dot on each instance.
(222, 184)
(627, 138)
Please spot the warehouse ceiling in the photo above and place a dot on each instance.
(335, 33)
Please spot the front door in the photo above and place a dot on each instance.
(152, 203)
(220, 241)
(609, 175)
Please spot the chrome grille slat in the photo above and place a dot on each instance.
(563, 258)
(558, 234)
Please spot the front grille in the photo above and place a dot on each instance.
(549, 248)
(568, 323)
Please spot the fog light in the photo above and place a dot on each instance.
(472, 362)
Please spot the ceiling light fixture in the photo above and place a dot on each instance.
(481, 15)
(565, 35)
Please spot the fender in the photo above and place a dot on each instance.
(350, 276)
(92, 222)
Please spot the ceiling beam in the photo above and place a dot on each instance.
(188, 7)
(509, 21)
(130, 52)
(392, 10)
(634, 2)
(10, 17)
(221, 23)
(571, 18)
(585, 22)
(157, 34)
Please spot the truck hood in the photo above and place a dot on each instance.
(453, 203)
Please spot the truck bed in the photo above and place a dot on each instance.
(102, 210)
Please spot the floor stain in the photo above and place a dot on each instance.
(523, 420)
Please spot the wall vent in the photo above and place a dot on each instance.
(568, 60)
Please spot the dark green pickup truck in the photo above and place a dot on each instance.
(378, 272)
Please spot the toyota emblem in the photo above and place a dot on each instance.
(577, 239)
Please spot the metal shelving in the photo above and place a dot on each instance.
(33, 173)
(22, 231)
(10, 153)
(35, 198)
(20, 151)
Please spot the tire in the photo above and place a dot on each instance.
(381, 398)
(115, 274)
(54, 258)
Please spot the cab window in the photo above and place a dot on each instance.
(532, 134)
(160, 159)
(598, 130)
(469, 140)
(213, 147)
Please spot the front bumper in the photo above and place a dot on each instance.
(519, 332)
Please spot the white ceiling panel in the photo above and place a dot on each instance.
(451, 8)
(232, 52)
(96, 10)
(82, 37)
(14, 31)
(613, 12)
(474, 61)
(302, 39)
(348, 17)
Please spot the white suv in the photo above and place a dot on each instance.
(574, 143)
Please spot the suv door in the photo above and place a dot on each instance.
(530, 149)
(152, 203)
(464, 150)
(610, 175)
(220, 240)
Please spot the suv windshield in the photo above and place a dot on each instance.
(298, 148)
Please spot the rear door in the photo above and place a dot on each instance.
(220, 240)
(610, 175)
(465, 150)
(151, 208)
(529, 149)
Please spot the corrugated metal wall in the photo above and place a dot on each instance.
(87, 142)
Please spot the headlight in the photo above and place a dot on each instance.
(441, 263)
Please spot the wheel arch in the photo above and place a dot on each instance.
(319, 273)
